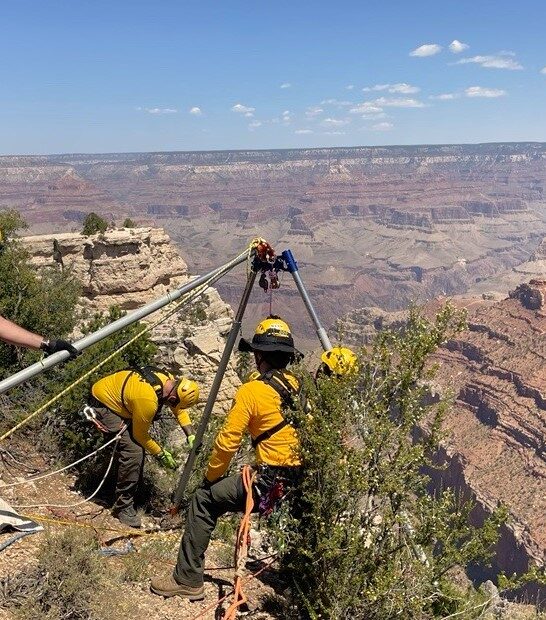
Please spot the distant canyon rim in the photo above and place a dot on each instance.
(369, 226)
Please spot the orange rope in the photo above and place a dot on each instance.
(241, 545)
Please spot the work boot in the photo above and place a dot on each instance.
(167, 587)
(127, 516)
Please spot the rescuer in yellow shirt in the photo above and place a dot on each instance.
(257, 409)
(135, 397)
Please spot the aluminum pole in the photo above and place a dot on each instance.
(107, 330)
(292, 267)
(207, 411)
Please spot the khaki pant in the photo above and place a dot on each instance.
(129, 458)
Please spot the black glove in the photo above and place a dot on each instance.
(54, 346)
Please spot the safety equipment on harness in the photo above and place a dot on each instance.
(291, 398)
(90, 415)
(273, 484)
(167, 459)
(272, 334)
(340, 361)
(54, 346)
(190, 439)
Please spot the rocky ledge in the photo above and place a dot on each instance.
(130, 267)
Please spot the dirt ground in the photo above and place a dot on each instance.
(153, 551)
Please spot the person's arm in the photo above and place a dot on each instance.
(19, 336)
(15, 334)
(230, 436)
(184, 421)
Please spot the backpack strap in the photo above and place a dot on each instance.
(289, 397)
(148, 373)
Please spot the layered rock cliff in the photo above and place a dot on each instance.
(132, 266)
(495, 446)
(369, 226)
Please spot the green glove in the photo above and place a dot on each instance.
(167, 459)
(190, 439)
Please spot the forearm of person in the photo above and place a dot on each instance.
(15, 334)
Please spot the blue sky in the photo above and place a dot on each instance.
(95, 76)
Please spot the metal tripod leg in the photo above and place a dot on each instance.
(292, 267)
(230, 342)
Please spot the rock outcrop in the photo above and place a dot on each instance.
(132, 266)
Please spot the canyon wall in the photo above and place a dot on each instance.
(369, 226)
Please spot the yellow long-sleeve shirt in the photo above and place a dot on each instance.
(139, 404)
(256, 408)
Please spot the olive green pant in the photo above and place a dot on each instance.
(208, 504)
(129, 462)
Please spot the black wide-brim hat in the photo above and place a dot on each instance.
(267, 343)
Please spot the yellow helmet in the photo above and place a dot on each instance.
(272, 334)
(187, 392)
(340, 360)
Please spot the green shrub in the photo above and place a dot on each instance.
(43, 303)
(365, 540)
(93, 224)
(128, 223)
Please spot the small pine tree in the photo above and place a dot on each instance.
(128, 223)
(93, 224)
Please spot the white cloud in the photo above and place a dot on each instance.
(334, 122)
(500, 61)
(334, 133)
(303, 131)
(287, 116)
(242, 109)
(385, 126)
(543, 70)
(367, 107)
(286, 85)
(313, 112)
(349, 86)
(430, 49)
(249, 114)
(457, 47)
(336, 102)
(161, 110)
(401, 88)
(374, 117)
(399, 102)
(196, 111)
(254, 125)
(480, 91)
(445, 96)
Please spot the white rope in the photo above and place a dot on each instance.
(58, 471)
(87, 499)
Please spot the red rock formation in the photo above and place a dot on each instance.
(496, 444)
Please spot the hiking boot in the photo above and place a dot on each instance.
(167, 587)
(127, 516)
